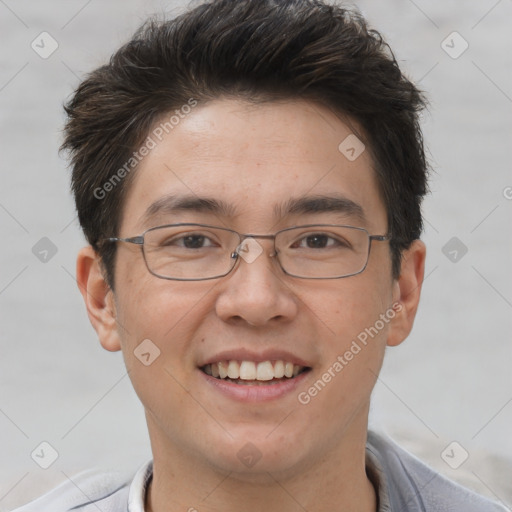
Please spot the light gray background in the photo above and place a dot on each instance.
(451, 381)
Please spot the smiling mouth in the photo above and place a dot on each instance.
(252, 373)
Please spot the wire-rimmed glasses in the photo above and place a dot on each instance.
(196, 252)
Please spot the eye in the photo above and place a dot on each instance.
(319, 241)
(189, 241)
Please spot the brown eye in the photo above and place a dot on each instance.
(188, 241)
(318, 241)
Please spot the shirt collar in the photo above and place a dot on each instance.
(139, 487)
(377, 477)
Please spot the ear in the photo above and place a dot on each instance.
(98, 298)
(406, 292)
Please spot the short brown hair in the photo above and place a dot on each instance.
(256, 50)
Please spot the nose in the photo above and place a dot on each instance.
(256, 292)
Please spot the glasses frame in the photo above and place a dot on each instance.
(139, 240)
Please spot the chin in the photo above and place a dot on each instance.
(254, 452)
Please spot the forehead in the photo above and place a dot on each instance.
(261, 164)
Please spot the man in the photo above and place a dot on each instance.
(249, 177)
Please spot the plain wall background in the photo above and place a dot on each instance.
(450, 381)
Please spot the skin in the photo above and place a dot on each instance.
(312, 456)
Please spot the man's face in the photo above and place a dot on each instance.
(254, 159)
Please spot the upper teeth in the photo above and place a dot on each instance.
(249, 370)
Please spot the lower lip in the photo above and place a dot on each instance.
(257, 392)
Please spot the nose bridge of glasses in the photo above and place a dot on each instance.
(249, 248)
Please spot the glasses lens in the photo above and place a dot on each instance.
(323, 251)
(189, 251)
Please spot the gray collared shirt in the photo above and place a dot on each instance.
(403, 484)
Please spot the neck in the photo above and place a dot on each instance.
(335, 480)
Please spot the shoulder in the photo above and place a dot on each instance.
(89, 490)
(412, 485)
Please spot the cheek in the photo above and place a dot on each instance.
(146, 305)
(351, 363)
(343, 311)
(159, 320)
(353, 323)
(168, 313)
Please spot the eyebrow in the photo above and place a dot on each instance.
(320, 204)
(172, 204)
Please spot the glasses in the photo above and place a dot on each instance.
(196, 252)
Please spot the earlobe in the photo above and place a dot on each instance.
(407, 291)
(98, 298)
